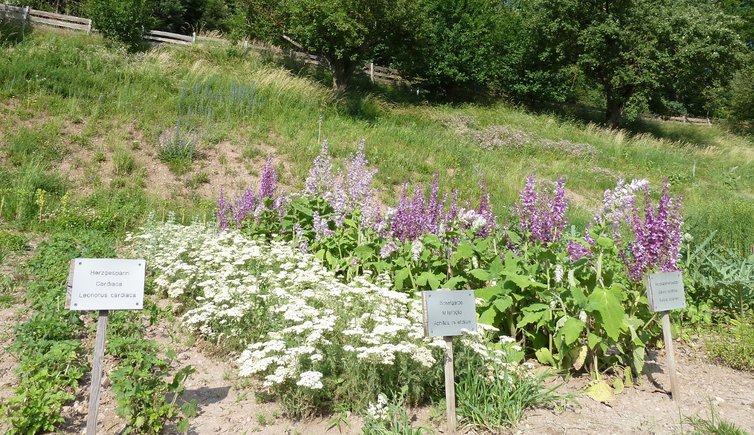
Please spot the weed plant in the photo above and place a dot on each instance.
(177, 148)
(712, 425)
(490, 398)
(733, 344)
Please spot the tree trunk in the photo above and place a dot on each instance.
(342, 72)
(614, 114)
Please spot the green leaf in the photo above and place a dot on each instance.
(533, 314)
(434, 283)
(488, 293)
(618, 385)
(400, 277)
(605, 242)
(502, 304)
(578, 296)
(488, 316)
(496, 267)
(638, 359)
(571, 330)
(364, 251)
(464, 251)
(544, 356)
(600, 391)
(454, 282)
(593, 340)
(579, 357)
(480, 274)
(523, 282)
(609, 308)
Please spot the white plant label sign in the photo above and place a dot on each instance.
(448, 313)
(107, 284)
(665, 291)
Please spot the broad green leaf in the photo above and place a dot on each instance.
(488, 316)
(464, 250)
(600, 391)
(629, 382)
(453, 283)
(571, 330)
(638, 359)
(578, 297)
(434, 283)
(488, 293)
(496, 267)
(523, 282)
(605, 242)
(618, 385)
(363, 251)
(532, 314)
(480, 274)
(610, 310)
(400, 277)
(578, 355)
(502, 304)
(593, 340)
(545, 357)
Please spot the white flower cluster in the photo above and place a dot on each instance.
(616, 202)
(378, 411)
(295, 319)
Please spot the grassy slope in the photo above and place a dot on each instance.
(50, 82)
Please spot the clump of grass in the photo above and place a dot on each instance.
(493, 397)
(123, 162)
(177, 148)
(733, 344)
(713, 425)
(197, 180)
(27, 143)
(11, 242)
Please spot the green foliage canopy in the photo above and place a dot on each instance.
(640, 50)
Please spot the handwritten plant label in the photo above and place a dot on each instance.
(448, 312)
(106, 284)
(665, 291)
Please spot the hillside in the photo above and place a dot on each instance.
(85, 108)
(307, 309)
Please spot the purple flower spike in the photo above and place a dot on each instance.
(222, 211)
(268, 181)
(541, 214)
(654, 237)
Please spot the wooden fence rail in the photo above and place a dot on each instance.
(377, 74)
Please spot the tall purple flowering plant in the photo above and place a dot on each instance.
(541, 212)
(653, 241)
(251, 204)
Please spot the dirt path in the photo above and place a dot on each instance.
(648, 409)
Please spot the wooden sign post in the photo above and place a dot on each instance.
(103, 284)
(665, 293)
(447, 314)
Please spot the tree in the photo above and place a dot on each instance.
(346, 33)
(122, 21)
(462, 44)
(637, 49)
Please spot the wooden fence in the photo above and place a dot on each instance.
(377, 74)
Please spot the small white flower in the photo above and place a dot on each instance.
(559, 273)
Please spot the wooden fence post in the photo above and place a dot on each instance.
(26, 18)
(89, 28)
(371, 71)
(193, 36)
